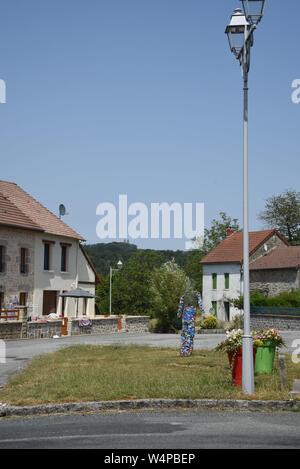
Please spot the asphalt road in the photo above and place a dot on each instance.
(19, 353)
(166, 430)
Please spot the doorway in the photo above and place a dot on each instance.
(49, 302)
(227, 311)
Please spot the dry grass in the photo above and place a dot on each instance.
(89, 373)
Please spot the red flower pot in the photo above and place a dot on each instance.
(236, 364)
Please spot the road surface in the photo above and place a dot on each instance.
(146, 430)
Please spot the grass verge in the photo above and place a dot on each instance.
(93, 373)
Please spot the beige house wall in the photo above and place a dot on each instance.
(37, 280)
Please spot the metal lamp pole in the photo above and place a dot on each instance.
(248, 362)
(240, 34)
(111, 272)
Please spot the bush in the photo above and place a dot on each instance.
(237, 322)
(286, 300)
(210, 322)
(153, 325)
(283, 300)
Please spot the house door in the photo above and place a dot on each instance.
(64, 327)
(49, 302)
(227, 311)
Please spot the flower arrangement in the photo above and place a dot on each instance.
(269, 338)
(234, 341)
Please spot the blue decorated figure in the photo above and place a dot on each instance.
(187, 311)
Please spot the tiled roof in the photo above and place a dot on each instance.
(17, 208)
(10, 215)
(231, 249)
(281, 258)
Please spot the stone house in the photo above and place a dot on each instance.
(40, 258)
(277, 271)
(223, 269)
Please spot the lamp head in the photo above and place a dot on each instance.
(254, 10)
(236, 31)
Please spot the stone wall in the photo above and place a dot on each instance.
(99, 326)
(272, 282)
(13, 330)
(10, 330)
(12, 282)
(130, 324)
(37, 330)
(137, 324)
(282, 323)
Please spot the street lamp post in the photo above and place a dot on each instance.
(111, 272)
(240, 35)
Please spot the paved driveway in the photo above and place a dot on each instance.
(20, 352)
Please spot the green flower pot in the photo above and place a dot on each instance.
(264, 362)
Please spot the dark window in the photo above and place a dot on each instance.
(64, 258)
(23, 299)
(227, 281)
(214, 305)
(85, 304)
(1, 300)
(2, 259)
(24, 261)
(47, 252)
(214, 281)
(227, 311)
(63, 305)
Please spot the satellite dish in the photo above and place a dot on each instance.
(62, 211)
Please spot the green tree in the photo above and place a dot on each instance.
(106, 255)
(102, 295)
(131, 286)
(168, 283)
(218, 231)
(283, 213)
(193, 267)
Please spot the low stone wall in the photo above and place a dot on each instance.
(130, 324)
(10, 330)
(136, 324)
(212, 331)
(268, 321)
(99, 326)
(37, 330)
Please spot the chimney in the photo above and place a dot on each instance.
(229, 232)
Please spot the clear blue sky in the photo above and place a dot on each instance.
(142, 97)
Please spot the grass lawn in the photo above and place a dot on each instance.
(90, 373)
